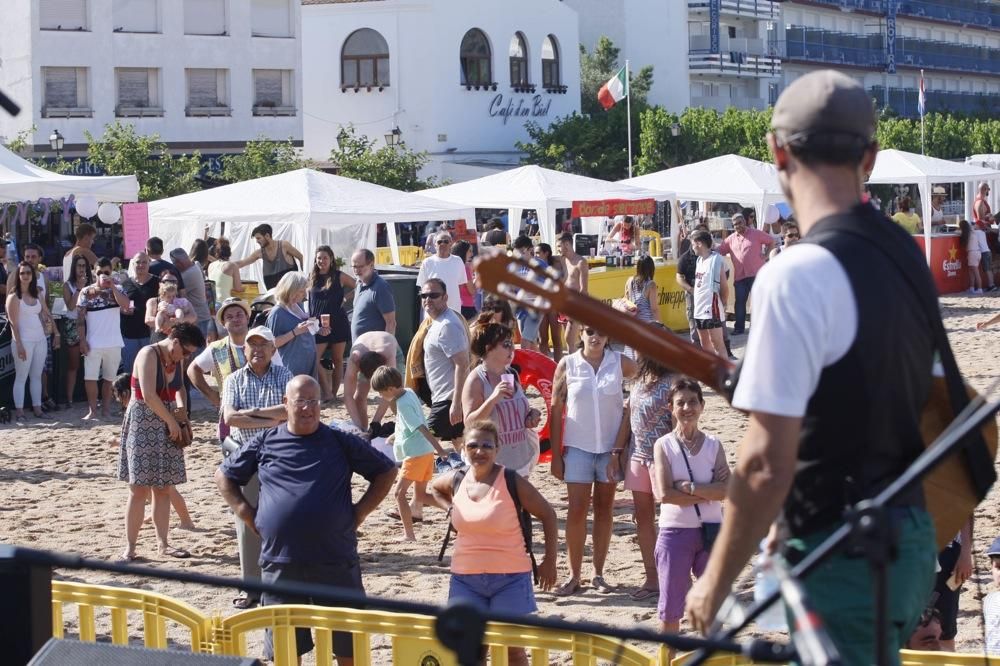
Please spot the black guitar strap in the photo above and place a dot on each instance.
(980, 464)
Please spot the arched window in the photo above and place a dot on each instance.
(519, 60)
(364, 60)
(476, 59)
(550, 62)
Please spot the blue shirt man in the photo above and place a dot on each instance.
(305, 516)
(374, 304)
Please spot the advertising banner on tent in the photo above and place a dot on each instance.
(612, 207)
(135, 221)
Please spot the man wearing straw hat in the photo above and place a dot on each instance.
(834, 393)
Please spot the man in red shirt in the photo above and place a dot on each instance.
(748, 248)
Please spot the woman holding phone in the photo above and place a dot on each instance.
(493, 393)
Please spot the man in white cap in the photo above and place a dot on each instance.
(252, 403)
(446, 267)
(834, 393)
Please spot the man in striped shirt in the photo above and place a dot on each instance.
(252, 403)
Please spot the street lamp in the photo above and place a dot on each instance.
(56, 142)
(569, 162)
(393, 138)
(675, 130)
(342, 139)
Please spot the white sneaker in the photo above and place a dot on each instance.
(970, 291)
(978, 291)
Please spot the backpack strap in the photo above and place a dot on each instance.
(456, 480)
(523, 518)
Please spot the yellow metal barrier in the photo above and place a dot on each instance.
(655, 242)
(409, 255)
(156, 609)
(920, 658)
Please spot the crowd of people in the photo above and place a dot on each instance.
(463, 432)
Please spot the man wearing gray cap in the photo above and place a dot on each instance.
(834, 392)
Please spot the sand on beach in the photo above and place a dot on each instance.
(59, 490)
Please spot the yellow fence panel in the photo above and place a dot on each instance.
(156, 610)
(409, 255)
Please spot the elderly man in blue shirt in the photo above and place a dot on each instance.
(306, 518)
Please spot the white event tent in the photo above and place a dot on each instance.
(897, 166)
(723, 179)
(305, 207)
(20, 180)
(540, 189)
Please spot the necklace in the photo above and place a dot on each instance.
(168, 366)
(689, 444)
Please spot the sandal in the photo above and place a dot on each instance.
(569, 588)
(129, 558)
(245, 602)
(601, 585)
(643, 593)
(394, 514)
(178, 553)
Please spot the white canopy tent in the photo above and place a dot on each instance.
(724, 179)
(305, 207)
(543, 190)
(896, 166)
(20, 180)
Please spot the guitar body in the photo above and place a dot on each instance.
(951, 497)
(949, 490)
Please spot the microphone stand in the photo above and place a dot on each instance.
(812, 642)
(867, 525)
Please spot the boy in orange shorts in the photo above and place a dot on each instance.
(412, 443)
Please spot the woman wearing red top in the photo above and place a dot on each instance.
(490, 566)
(148, 458)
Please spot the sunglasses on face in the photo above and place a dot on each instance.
(791, 236)
(485, 446)
(105, 273)
(430, 296)
(506, 344)
(444, 242)
(593, 331)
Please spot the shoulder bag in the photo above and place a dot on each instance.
(709, 531)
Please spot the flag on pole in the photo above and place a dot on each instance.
(614, 91)
(921, 97)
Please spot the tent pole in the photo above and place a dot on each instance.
(925, 200)
(393, 242)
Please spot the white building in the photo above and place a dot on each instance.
(203, 74)
(701, 55)
(459, 79)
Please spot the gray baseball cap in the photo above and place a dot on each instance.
(825, 101)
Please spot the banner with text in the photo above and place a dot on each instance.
(612, 207)
(135, 222)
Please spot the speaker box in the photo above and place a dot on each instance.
(68, 652)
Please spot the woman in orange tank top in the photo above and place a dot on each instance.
(489, 566)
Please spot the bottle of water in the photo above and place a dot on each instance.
(766, 582)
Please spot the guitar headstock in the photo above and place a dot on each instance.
(524, 282)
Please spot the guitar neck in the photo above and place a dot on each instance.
(659, 344)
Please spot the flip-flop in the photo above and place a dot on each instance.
(643, 594)
(129, 559)
(601, 585)
(567, 589)
(245, 602)
(178, 553)
(394, 514)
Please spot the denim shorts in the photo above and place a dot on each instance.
(509, 593)
(529, 324)
(585, 467)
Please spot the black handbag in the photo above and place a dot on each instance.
(709, 531)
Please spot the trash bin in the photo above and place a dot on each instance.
(408, 313)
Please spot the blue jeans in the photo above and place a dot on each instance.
(130, 351)
(742, 294)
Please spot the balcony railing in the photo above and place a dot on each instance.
(943, 55)
(904, 101)
(734, 63)
(974, 13)
(763, 10)
(723, 103)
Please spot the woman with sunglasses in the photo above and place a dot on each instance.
(587, 390)
(497, 396)
(149, 459)
(490, 566)
(28, 314)
(80, 275)
(167, 309)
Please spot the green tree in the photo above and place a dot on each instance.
(261, 157)
(122, 152)
(702, 134)
(397, 167)
(594, 143)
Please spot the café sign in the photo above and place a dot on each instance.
(612, 207)
(522, 107)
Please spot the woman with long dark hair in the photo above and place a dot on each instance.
(467, 291)
(641, 292)
(28, 315)
(80, 275)
(328, 287)
(224, 273)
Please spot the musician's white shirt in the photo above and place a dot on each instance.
(804, 319)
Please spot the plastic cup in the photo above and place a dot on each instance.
(178, 313)
(508, 379)
(325, 320)
(593, 251)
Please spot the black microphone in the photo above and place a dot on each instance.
(812, 642)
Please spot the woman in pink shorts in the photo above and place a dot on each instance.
(649, 412)
(691, 471)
